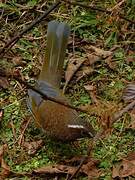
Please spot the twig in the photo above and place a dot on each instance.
(45, 97)
(3, 73)
(11, 42)
(117, 5)
(23, 131)
(78, 169)
(97, 9)
(82, 162)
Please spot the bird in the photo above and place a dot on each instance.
(57, 121)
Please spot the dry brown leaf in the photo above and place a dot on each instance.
(93, 58)
(56, 169)
(115, 171)
(32, 147)
(126, 167)
(89, 168)
(86, 70)
(101, 52)
(73, 65)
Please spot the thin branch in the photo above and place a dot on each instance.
(23, 131)
(117, 5)
(11, 42)
(78, 168)
(97, 9)
(45, 97)
(3, 73)
(82, 162)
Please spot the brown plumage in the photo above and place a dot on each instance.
(58, 121)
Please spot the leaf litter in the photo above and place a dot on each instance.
(83, 67)
(89, 168)
(73, 65)
(126, 167)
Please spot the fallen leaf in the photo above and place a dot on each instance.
(115, 171)
(86, 71)
(32, 147)
(100, 52)
(56, 169)
(73, 65)
(93, 58)
(89, 168)
(126, 167)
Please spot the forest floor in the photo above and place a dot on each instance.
(99, 63)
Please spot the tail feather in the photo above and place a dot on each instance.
(62, 34)
(51, 49)
(57, 37)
